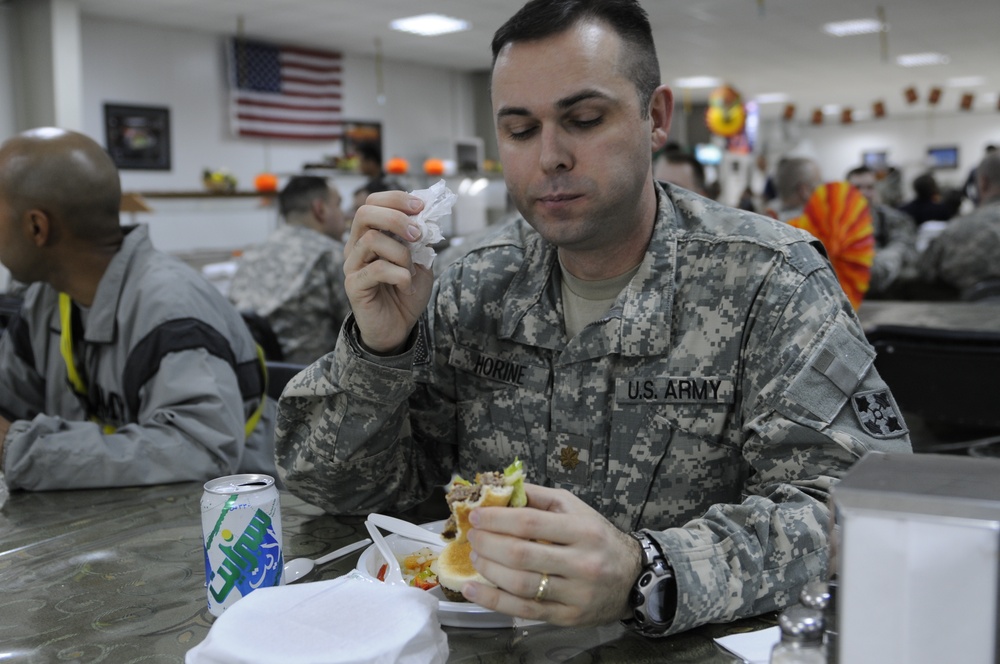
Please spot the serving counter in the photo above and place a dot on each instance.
(117, 575)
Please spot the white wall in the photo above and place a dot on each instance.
(130, 63)
(185, 71)
(8, 111)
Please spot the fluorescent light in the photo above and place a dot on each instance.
(831, 109)
(771, 98)
(922, 59)
(429, 25)
(698, 82)
(966, 82)
(859, 26)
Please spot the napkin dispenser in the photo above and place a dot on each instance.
(919, 560)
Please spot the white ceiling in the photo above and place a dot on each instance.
(759, 46)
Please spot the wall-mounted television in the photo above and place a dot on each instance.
(942, 157)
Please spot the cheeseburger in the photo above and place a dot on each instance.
(493, 489)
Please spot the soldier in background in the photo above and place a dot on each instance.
(895, 237)
(295, 279)
(683, 381)
(967, 252)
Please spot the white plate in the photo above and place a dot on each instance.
(454, 614)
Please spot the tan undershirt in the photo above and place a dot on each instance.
(587, 301)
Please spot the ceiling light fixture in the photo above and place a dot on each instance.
(429, 25)
(860, 26)
(922, 59)
(691, 82)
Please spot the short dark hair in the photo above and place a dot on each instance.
(860, 170)
(925, 186)
(300, 192)
(539, 19)
(676, 156)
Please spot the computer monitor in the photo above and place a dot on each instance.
(942, 157)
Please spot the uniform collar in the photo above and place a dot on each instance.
(104, 310)
(638, 324)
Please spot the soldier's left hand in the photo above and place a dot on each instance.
(590, 565)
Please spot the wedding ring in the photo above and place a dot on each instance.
(542, 586)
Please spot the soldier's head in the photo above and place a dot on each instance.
(539, 19)
(59, 195)
(795, 180)
(988, 178)
(863, 179)
(310, 201)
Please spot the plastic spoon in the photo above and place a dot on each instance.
(299, 567)
(393, 574)
(406, 529)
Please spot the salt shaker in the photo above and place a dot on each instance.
(822, 595)
(801, 637)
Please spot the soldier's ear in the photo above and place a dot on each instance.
(317, 208)
(661, 111)
(37, 227)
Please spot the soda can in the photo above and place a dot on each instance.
(241, 528)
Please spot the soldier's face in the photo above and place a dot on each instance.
(574, 146)
(865, 183)
(333, 216)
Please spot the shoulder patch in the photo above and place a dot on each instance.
(878, 413)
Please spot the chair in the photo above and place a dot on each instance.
(262, 333)
(278, 375)
(949, 378)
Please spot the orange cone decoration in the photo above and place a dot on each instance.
(838, 216)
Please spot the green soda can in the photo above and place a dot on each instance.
(241, 528)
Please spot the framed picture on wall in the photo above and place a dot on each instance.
(138, 137)
(361, 133)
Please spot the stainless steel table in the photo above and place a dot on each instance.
(117, 575)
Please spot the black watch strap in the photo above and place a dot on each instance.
(653, 598)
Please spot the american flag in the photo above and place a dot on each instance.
(284, 91)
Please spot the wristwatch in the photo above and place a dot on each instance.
(653, 598)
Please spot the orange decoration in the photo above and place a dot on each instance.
(397, 166)
(847, 116)
(838, 216)
(434, 167)
(789, 113)
(911, 95)
(266, 182)
(878, 109)
(934, 97)
(817, 118)
(967, 100)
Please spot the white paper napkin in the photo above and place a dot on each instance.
(343, 620)
(752, 647)
(438, 201)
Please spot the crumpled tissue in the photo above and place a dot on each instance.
(345, 620)
(438, 201)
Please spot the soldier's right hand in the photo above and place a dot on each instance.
(388, 292)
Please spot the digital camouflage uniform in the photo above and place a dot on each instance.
(895, 248)
(967, 251)
(716, 403)
(296, 281)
